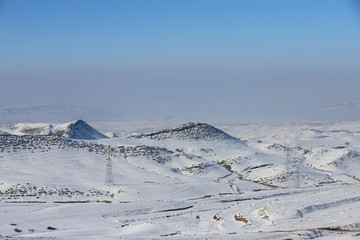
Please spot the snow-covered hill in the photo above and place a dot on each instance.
(77, 130)
(193, 181)
(111, 135)
(188, 131)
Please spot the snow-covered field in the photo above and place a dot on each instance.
(193, 181)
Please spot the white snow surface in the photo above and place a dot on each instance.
(231, 183)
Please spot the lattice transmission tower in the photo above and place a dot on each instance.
(109, 178)
(298, 163)
(288, 161)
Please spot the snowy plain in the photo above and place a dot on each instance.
(193, 181)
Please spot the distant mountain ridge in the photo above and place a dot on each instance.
(77, 130)
(345, 111)
(41, 108)
(188, 131)
(41, 113)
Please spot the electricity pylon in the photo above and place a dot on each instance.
(298, 163)
(109, 178)
(287, 164)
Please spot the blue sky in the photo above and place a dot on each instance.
(243, 59)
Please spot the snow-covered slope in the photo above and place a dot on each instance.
(111, 135)
(4, 133)
(188, 131)
(77, 130)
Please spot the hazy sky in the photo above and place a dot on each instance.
(232, 59)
